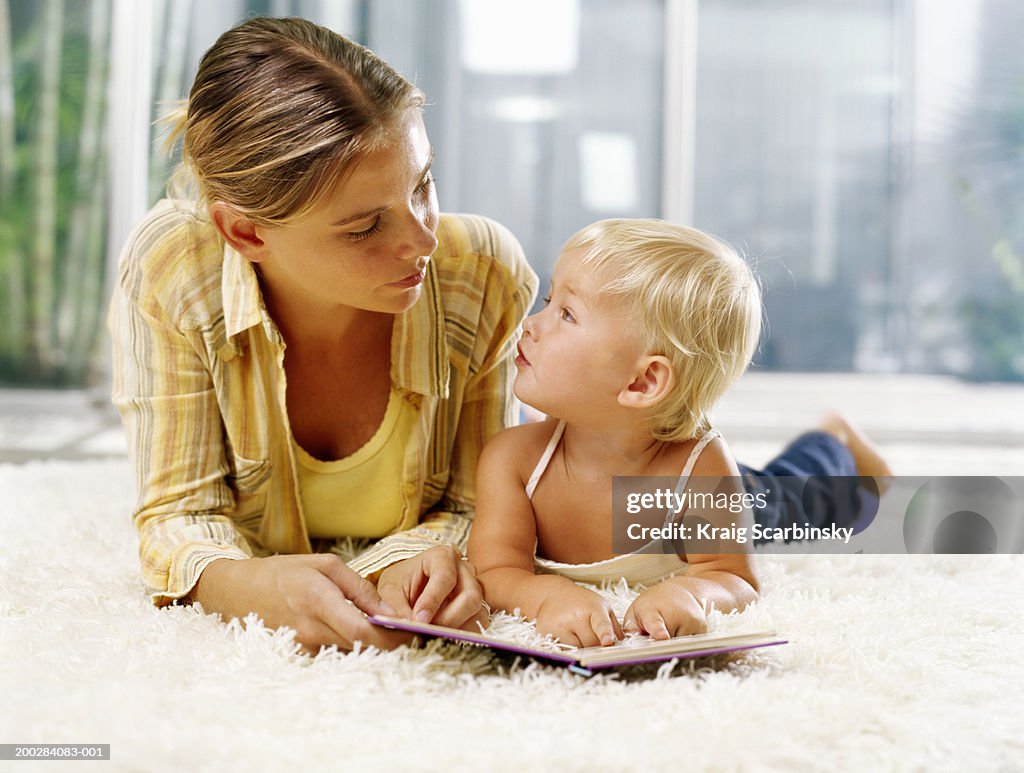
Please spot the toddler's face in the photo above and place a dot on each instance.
(579, 352)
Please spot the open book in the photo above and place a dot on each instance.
(585, 660)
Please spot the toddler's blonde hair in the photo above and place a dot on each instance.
(692, 298)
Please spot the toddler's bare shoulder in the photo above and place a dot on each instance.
(716, 459)
(523, 444)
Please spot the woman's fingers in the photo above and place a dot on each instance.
(393, 591)
(437, 587)
(356, 588)
(464, 606)
(327, 617)
(318, 596)
(440, 567)
(314, 634)
(394, 596)
(348, 625)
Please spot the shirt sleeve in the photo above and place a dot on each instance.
(164, 392)
(488, 406)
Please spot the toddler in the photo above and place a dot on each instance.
(646, 326)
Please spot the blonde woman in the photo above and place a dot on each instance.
(308, 351)
(647, 325)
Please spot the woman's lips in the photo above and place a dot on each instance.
(521, 360)
(412, 280)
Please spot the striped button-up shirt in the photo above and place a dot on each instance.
(199, 380)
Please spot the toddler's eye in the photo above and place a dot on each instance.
(566, 315)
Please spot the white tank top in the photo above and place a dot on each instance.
(638, 568)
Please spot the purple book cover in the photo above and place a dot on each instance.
(576, 657)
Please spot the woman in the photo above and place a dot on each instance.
(311, 352)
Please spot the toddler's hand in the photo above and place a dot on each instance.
(664, 611)
(579, 617)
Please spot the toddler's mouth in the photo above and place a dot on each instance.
(521, 360)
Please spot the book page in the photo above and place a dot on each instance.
(640, 649)
(645, 649)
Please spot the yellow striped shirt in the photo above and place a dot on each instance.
(200, 383)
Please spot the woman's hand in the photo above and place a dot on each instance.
(579, 617)
(437, 586)
(666, 610)
(317, 595)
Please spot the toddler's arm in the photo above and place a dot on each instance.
(726, 581)
(676, 607)
(502, 544)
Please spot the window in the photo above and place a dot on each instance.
(53, 188)
(866, 154)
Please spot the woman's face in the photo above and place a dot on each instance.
(366, 245)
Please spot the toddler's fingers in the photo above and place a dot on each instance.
(570, 638)
(583, 630)
(616, 628)
(602, 624)
(654, 624)
(629, 623)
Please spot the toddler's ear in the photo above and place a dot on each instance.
(238, 231)
(653, 380)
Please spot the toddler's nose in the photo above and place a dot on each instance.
(530, 326)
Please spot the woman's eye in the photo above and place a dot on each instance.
(366, 233)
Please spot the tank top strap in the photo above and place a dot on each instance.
(691, 460)
(542, 463)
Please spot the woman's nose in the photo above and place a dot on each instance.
(427, 238)
(420, 240)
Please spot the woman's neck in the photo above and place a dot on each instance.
(332, 328)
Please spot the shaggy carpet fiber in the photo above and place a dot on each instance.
(895, 662)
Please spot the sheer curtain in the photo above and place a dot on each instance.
(865, 154)
(545, 114)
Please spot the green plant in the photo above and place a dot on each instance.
(53, 81)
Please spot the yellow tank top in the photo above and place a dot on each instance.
(360, 495)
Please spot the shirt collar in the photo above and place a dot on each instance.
(243, 301)
(419, 350)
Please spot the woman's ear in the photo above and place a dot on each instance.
(238, 231)
(653, 380)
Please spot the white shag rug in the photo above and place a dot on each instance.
(895, 662)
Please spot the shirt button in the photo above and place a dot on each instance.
(409, 489)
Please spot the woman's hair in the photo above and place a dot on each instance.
(278, 110)
(691, 298)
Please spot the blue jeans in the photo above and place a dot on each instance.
(813, 482)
